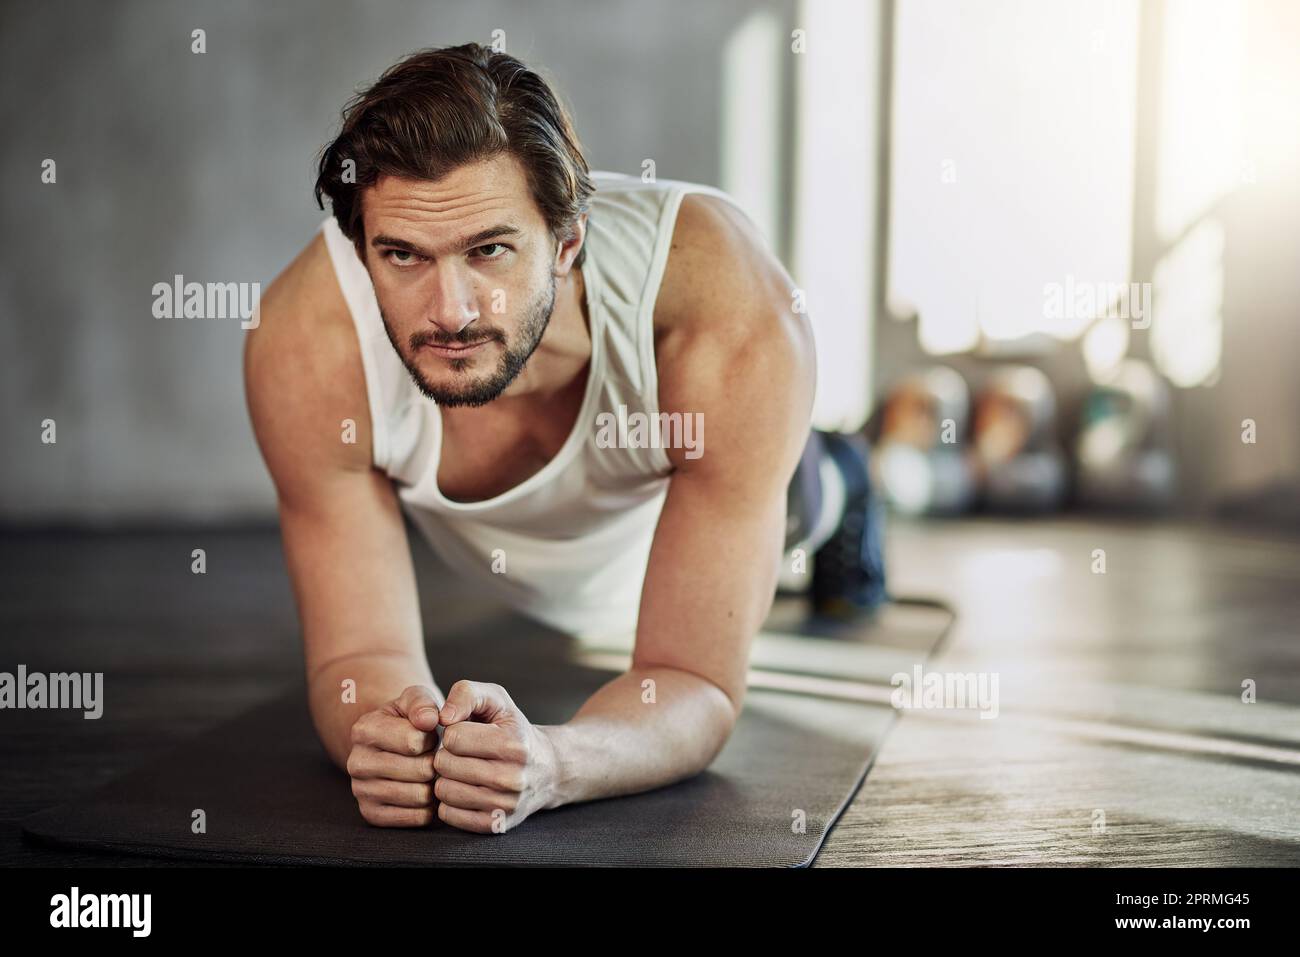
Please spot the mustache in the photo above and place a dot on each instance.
(429, 338)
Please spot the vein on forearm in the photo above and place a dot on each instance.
(324, 666)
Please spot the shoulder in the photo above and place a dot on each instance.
(715, 248)
(303, 374)
(727, 336)
(723, 284)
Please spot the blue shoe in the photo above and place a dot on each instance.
(848, 582)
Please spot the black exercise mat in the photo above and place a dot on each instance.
(271, 796)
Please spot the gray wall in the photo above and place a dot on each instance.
(170, 162)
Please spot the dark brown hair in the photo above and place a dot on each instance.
(439, 109)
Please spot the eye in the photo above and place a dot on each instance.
(492, 246)
(411, 259)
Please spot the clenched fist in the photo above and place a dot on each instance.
(495, 767)
(391, 762)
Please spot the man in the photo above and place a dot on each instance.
(468, 338)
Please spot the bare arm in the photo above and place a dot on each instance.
(344, 541)
(737, 354)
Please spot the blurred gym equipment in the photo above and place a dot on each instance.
(1018, 456)
(1123, 444)
(921, 461)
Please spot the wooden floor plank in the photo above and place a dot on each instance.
(1098, 673)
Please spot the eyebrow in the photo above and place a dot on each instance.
(469, 242)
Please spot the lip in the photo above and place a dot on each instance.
(456, 352)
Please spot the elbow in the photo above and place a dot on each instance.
(724, 702)
(731, 704)
(730, 696)
(728, 706)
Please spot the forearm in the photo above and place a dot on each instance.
(376, 678)
(629, 737)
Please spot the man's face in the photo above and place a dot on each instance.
(463, 269)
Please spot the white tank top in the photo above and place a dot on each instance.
(575, 537)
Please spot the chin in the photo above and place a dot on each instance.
(460, 400)
(458, 391)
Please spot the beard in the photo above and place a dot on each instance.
(480, 390)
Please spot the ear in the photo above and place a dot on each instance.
(567, 251)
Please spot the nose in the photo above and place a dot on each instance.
(454, 304)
